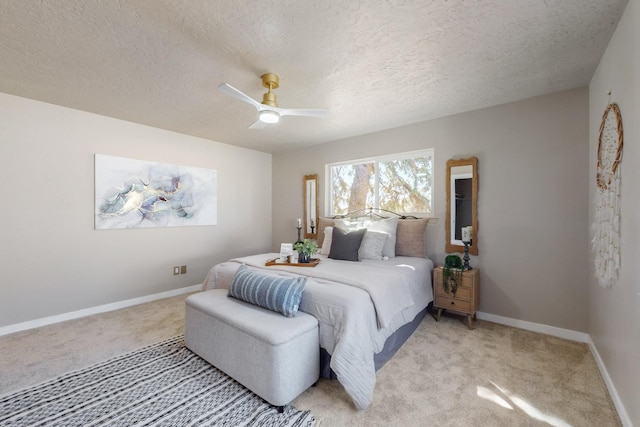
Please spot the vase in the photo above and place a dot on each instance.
(304, 258)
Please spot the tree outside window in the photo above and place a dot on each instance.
(401, 183)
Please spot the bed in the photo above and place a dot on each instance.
(366, 309)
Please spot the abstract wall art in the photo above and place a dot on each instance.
(132, 193)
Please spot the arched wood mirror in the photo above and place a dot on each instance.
(462, 204)
(310, 188)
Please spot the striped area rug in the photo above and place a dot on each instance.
(161, 385)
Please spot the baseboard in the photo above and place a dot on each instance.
(622, 412)
(570, 335)
(536, 327)
(5, 330)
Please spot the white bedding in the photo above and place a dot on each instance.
(358, 306)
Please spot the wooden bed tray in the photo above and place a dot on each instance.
(312, 263)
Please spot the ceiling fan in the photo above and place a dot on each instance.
(268, 110)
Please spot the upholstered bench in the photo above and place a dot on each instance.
(274, 356)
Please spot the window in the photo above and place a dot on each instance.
(401, 183)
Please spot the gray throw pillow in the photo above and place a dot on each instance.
(345, 245)
(389, 226)
(372, 245)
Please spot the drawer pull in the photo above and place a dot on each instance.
(453, 302)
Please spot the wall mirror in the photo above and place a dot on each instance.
(310, 188)
(462, 203)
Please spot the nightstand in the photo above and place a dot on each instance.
(466, 298)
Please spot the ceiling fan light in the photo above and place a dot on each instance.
(269, 116)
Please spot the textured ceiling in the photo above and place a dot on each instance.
(372, 64)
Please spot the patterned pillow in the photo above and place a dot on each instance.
(372, 245)
(388, 226)
(271, 292)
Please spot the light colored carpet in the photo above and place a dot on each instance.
(30, 357)
(445, 375)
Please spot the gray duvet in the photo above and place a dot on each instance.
(358, 306)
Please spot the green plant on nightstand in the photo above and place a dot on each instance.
(452, 273)
(305, 249)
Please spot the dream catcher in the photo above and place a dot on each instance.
(605, 242)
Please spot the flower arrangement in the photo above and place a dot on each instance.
(305, 249)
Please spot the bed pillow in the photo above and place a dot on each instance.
(349, 224)
(372, 245)
(345, 244)
(389, 226)
(410, 237)
(326, 243)
(275, 293)
(322, 224)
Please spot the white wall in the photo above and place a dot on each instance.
(532, 203)
(52, 261)
(614, 313)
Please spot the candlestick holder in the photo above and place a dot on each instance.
(299, 239)
(465, 257)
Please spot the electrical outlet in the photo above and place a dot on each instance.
(183, 269)
(176, 271)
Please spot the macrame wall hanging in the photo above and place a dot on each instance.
(605, 242)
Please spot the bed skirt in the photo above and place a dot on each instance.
(391, 345)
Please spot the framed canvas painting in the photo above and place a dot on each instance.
(132, 193)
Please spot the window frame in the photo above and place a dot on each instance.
(425, 152)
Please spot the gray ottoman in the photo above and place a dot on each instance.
(274, 356)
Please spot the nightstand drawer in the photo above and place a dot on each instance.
(455, 304)
(467, 281)
(465, 293)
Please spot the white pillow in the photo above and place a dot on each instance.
(349, 224)
(326, 243)
(390, 226)
(372, 245)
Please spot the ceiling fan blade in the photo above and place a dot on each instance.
(230, 90)
(258, 124)
(268, 109)
(301, 112)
